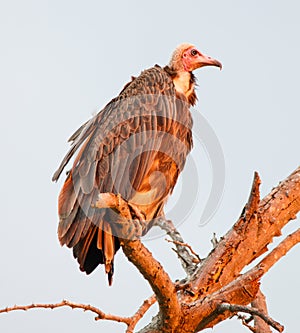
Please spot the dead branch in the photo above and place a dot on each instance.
(140, 313)
(64, 303)
(197, 259)
(245, 322)
(131, 322)
(244, 289)
(214, 240)
(281, 250)
(159, 280)
(260, 304)
(215, 289)
(222, 266)
(249, 237)
(187, 260)
(240, 291)
(254, 312)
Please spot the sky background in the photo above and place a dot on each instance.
(61, 61)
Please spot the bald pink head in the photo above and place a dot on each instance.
(187, 58)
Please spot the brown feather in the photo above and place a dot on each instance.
(100, 236)
(136, 146)
(108, 245)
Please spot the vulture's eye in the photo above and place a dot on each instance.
(194, 52)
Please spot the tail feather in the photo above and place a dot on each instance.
(98, 246)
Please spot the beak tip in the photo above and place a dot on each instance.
(220, 65)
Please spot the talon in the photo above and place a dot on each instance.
(138, 213)
(119, 198)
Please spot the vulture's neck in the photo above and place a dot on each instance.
(185, 83)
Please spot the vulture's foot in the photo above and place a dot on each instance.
(131, 222)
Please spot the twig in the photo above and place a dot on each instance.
(129, 321)
(245, 322)
(186, 259)
(239, 308)
(85, 307)
(214, 240)
(196, 260)
(140, 313)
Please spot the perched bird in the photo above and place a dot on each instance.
(135, 147)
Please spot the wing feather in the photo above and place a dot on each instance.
(119, 150)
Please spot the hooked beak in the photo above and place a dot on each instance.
(204, 60)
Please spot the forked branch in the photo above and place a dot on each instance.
(233, 308)
(131, 322)
(189, 261)
(64, 303)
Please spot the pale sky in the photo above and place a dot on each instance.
(61, 61)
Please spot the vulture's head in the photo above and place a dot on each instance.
(187, 58)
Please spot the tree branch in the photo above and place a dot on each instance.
(240, 291)
(249, 237)
(259, 303)
(281, 250)
(141, 257)
(245, 322)
(187, 260)
(244, 289)
(140, 313)
(64, 303)
(255, 312)
(196, 258)
(214, 270)
(129, 321)
(158, 279)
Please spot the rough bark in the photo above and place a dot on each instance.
(159, 280)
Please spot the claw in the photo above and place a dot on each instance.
(131, 223)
